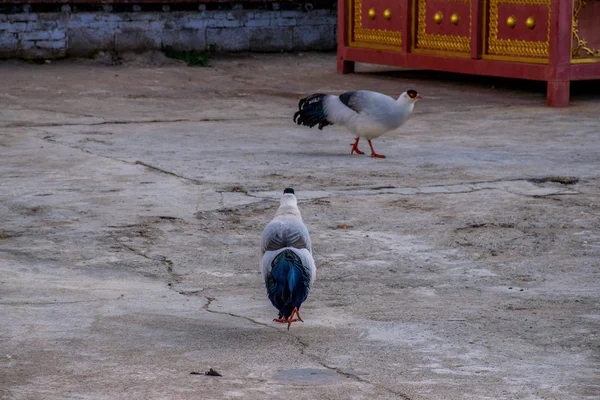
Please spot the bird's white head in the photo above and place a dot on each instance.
(410, 96)
(289, 198)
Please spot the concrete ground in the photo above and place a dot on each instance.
(132, 199)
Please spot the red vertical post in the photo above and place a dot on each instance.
(343, 27)
(478, 15)
(561, 18)
(407, 27)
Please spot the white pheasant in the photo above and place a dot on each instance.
(364, 113)
(287, 266)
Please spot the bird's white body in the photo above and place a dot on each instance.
(368, 114)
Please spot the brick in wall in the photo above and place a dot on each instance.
(228, 39)
(271, 39)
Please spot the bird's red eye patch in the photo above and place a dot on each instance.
(411, 93)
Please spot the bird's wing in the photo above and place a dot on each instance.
(352, 100)
(285, 231)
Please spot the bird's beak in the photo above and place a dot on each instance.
(418, 97)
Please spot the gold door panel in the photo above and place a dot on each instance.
(442, 27)
(376, 24)
(517, 30)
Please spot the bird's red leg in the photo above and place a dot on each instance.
(373, 154)
(355, 147)
(292, 319)
(297, 313)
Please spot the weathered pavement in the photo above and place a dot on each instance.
(132, 199)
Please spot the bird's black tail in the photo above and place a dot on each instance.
(311, 112)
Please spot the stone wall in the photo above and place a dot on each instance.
(65, 32)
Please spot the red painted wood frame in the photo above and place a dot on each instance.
(114, 2)
(558, 72)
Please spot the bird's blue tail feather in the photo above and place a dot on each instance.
(288, 282)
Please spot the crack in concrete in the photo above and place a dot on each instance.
(48, 110)
(303, 346)
(209, 301)
(120, 122)
(50, 138)
(518, 186)
(50, 303)
(163, 259)
(357, 378)
(341, 372)
(164, 171)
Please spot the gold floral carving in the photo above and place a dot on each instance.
(377, 36)
(516, 48)
(429, 41)
(579, 43)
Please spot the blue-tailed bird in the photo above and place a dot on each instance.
(288, 267)
(364, 113)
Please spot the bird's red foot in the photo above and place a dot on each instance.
(295, 311)
(357, 151)
(285, 320)
(373, 154)
(355, 148)
(290, 319)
